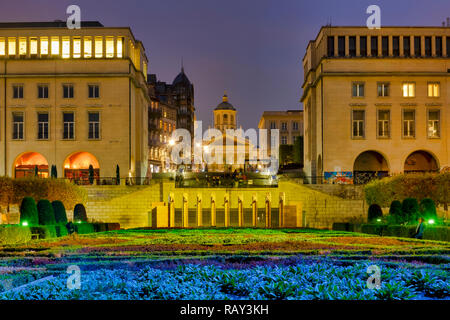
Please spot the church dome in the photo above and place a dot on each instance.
(225, 105)
(181, 78)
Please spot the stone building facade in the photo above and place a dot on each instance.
(72, 98)
(376, 102)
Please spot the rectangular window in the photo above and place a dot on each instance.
(409, 90)
(409, 126)
(383, 89)
(120, 47)
(295, 126)
(284, 140)
(341, 46)
(438, 46)
(22, 46)
(273, 125)
(434, 128)
(87, 47)
(363, 46)
(417, 46)
(42, 126)
(384, 123)
(44, 45)
(330, 47)
(385, 46)
(352, 46)
(396, 46)
(17, 126)
(358, 126)
(77, 47)
(110, 47)
(17, 91)
(94, 91)
(284, 126)
(12, 46)
(428, 47)
(33, 46)
(68, 126)
(2, 47)
(448, 46)
(407, 46)
(42, 91)
(98, 47)
(94, 125)
(358, 89)
(374, 46)
(55, 46)
(66, 47)
(68, 91)
(434, 90)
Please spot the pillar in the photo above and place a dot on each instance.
(185, 211)
(171, 211)
(281, 215)
(254, 210)
(241, 211)
(226, 205)
(199, 211)
(268, 211)
(213, 210)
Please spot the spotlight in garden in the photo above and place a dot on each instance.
(431, 221)
(25, 224)
(378, 220)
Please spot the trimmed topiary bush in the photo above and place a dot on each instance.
(79, 213)
(410, 210)
(84, 228)
(44, 232)
(60, 212)
(374, 213)
(46, 213)
(395, 212)
(428, 209)
(29, 212)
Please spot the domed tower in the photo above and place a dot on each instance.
(225, 115)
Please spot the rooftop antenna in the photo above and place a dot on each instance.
(182, 64)
(448, 21)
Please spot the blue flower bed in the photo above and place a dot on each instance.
(301, 281)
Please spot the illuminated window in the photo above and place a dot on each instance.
(12, 46)
(87, 47)
(66, 47)
(98, 47)
(55, 45)
(33, 46)
(22, 46)
(2, 47)
(109, 47)
(77, 48)
(409, 90)
(434, 119)
(44, 45)
(434, 90)
(120, 47)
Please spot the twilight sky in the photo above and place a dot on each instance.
(251, 48)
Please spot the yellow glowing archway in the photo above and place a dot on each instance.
(25, 165)
(76, 166)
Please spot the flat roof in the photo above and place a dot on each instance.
(46, 24)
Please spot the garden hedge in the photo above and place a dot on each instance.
(430, 233)
(44, 232)
(60, 212)
(84, 228)
(418, 186)
(428, 209)
(79, 213)
(29, 212)
(12, 191)
(46, 213)
(14, 234)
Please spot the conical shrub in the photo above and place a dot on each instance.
(79, 213)
(60, 212)
(46, 213)
(28, 212)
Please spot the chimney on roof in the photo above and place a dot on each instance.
(448, 21)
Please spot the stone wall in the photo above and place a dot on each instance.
(132, 206)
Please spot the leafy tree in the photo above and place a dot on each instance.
(395, 212)
(54, 171)
(298, 150)
(45, 213)
(29, 212)
(286, 154)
